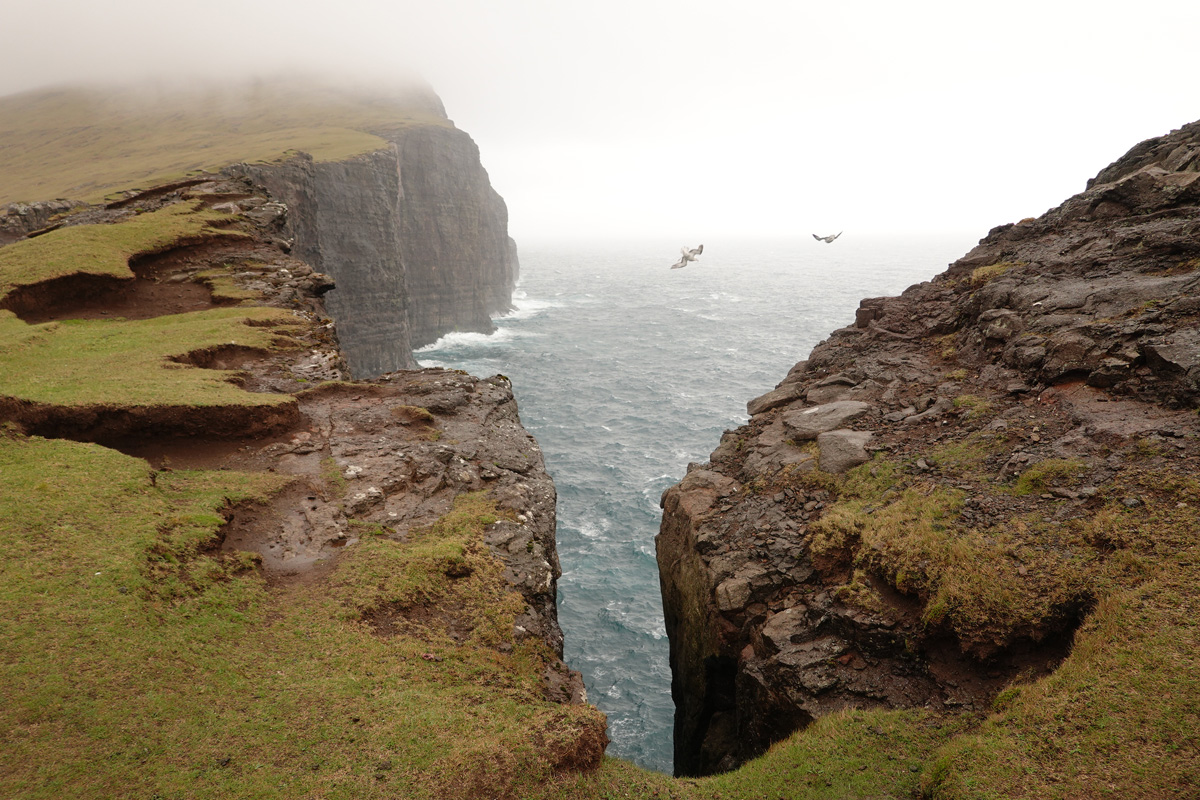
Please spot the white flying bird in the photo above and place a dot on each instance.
(827, 239)
(686, 255)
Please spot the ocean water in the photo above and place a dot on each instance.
(626, 371)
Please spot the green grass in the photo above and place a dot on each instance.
(84, 144)
(853, 754)
(1048, 473)
(974, 405)
(126, 362)
(137, 663)
(1119, 719)
(990, 586)
(103, 250)
(224, 288)
(442, 570)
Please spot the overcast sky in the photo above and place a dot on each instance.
(701, 119)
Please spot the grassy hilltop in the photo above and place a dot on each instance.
(85, 144)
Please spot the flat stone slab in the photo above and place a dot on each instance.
(842, 450)
(808, 423)
(786, 393)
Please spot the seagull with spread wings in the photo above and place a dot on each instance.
(827, 239)
(686, 255)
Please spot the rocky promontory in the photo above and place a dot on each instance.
(940, 507)
(236, 560)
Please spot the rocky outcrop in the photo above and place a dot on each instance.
(389, 455)
(413, 235)
(21, 219)
(1001, 406)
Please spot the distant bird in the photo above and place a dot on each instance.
(827, 239)
(687, 255)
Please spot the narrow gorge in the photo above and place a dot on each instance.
(251, 549)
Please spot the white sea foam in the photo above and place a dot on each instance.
(525, 307)
(468, 339)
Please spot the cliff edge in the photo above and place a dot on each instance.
(413, 235)
(231, 568)
(384, 194)
(971, 501)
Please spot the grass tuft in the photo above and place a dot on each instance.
(982, 275)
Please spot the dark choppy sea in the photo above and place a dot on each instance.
(625, 371)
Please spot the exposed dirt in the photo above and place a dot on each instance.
(109, 424)
(296, 533)
(394, 620)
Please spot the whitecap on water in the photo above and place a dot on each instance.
(465, 340)
(525, 307)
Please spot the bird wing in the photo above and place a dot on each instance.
(831, 238)
(682, 262)
(818, 238)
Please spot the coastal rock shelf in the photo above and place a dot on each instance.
(925, 510)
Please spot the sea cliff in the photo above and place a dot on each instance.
(375, 557)
(413, 235)
(944, 505)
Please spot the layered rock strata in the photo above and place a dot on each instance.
(414, 236)
(1000, 406)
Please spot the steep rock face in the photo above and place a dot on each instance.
(460, 263)
(413, 235)
(1004, 406)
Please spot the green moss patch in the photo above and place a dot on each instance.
(440, 581)
(1120, 718)
(990, 585)
(982, 275)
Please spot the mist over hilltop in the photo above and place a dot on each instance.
(777, 119)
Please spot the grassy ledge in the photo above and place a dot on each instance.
(104, 250)
(128, 362)
(138, 660)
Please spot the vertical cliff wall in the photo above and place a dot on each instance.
(413, 235)
(460, 263)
